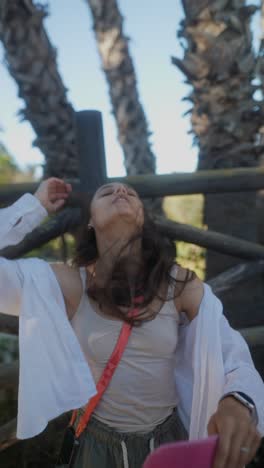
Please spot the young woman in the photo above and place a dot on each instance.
(120, 256)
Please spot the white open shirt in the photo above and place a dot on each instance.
(54, 376)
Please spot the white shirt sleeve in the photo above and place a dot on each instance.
(19, 219)
(16, 221)
(54, 376)
(240, 372)
(212, 360)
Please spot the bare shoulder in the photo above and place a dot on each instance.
(70, 283)
(191, 295)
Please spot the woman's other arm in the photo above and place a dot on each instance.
(232, 421)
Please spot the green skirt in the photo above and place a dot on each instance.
(101, 446)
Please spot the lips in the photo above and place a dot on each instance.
(117, 199)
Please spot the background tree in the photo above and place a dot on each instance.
(117, 64)
(133, 131)
(219, 64)
(260, 136)
(31, 61)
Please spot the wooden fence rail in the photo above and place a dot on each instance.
(211, 240)
(70, 218)
(231, 277)
(151, 186)
(8, 434)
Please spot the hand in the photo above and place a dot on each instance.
(52, 194)
(233, 424)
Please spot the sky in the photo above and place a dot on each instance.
(152, 27)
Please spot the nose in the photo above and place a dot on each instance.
(121, 189)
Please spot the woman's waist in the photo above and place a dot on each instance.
(132, 421)
(133, 412)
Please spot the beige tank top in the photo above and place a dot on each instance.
(142, 391)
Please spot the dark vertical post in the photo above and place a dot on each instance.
(90, 144)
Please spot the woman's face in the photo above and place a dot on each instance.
(114, 202)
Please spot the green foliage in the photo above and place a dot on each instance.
(8, 348)
(8, 397)
(8, 167)
(10, 171)
(188, 209)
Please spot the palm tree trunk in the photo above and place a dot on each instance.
(219, 64)
(260, 76)
(31, 61)
(133, 131)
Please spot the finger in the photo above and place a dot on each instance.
(252, 442)
(59, 193)
(55, 179)
(56, 183)
(211, 427)
(223, 447)
(59, 185)
(58, 188)
(58, 204)
(256, 444)
(63, 189)
(54, 197)
(240, 438)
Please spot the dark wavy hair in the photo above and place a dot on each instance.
(121, 286)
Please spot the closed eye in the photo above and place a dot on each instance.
(105, 194)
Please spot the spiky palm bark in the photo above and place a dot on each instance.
(31, 61)
(219, 64)
(260, 75)
(133, 131)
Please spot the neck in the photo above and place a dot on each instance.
(113, 248)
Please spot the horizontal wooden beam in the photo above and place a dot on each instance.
(8, 434)
(151, 185)
(70, 218)
(9, 375)
(231, 277)
(212, 181)
(254, 336)
(55, 226)
(222, 243)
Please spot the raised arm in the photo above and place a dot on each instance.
(18, 220)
